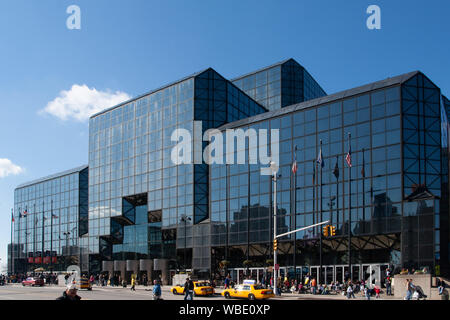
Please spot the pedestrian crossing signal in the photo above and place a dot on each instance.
(332, 230)
(325, 230)
(275, 245)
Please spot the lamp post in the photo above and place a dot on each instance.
(274, 169)
(185, 219)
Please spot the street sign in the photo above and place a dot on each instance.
(277, 267)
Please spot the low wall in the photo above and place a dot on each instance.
(422, 280)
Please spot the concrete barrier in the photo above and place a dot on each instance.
(422, 280)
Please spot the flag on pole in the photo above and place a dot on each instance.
(12, 217)
(294, 167)
(314, 174)
(54, 216)
(320, 159)
(336, 170)
(25, 212)
(348, 157)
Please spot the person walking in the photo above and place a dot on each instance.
(408, 289)
(188, 289)
(350, 293)
(133, 283)
(227, 281)
(366, 293)
(441, 285)
(156, 290)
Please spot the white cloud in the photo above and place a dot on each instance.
(8, 168)
(80, 102)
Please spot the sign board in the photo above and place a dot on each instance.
(277, 267)
(252, 282)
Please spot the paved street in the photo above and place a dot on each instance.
(18, 292)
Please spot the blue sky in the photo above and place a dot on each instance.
(126, 48)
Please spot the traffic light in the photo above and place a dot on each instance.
(275, 244)
(332, 230)
(325, 230)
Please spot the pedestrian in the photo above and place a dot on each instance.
(188, 289)
(350, 293)
(144, 279)
(388, 286)
(408, 290)
(156, 290)
(377, 292)
(367, 293)
(313, 286)
(441, 285)
(227, 281)
(70, 294)
(133, 283)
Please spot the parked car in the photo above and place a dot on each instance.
(32, 281)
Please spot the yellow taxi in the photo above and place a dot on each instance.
(201, 288)
(248, 290)
(85, 284)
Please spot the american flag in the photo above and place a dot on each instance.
(294, 167)
(348, 157)
(25, 212)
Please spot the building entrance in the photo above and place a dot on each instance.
(372, 273)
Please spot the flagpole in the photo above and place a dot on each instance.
(12, 241)
(337, 191)
(363, 173)
(34, 238)
(51, 235)
(349, 213)
(26, 236)
(314, 204)
(43, 223)
(314, 195)
(295, 211)
(19, 237)
(321, 202)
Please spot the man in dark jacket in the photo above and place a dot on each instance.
(188, 289)
(70, 294)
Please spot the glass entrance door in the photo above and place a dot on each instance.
(339, 274)
(329, 274)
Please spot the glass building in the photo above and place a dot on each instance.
(146, 214)
(137, 195)
(280, 85)
(399, 184)
(50, 216)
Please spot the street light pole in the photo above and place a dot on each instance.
(274, 168)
